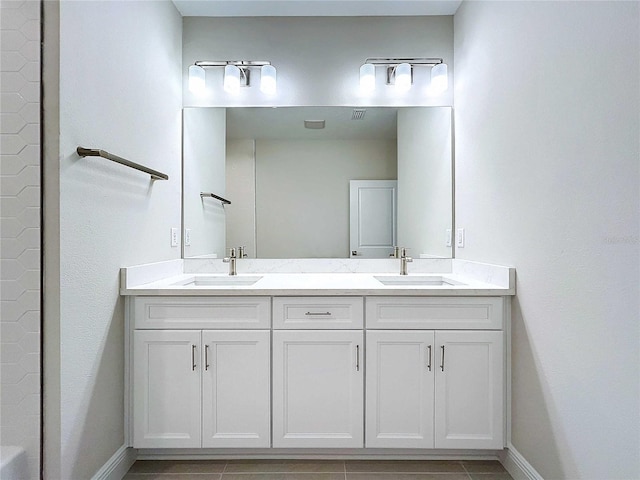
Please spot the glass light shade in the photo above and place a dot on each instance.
(403, 77)
(368, 77)
(268, 79)
(196, 80)
(439, 78)
(231, 79)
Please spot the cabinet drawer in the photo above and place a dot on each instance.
(317, 312)
(451, 313)
(202, 312)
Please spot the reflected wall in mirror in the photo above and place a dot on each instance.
(289, 185)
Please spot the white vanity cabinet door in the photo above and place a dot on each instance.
(318, 389)
(236, 389)
(469, 400)
(166, 389)
(400, 389)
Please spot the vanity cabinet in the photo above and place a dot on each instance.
(469, 399)
(166, 389)
(318, 372)
(317, 389)
(435, 388)
(199, 387)
(400, 389)
(435, 372)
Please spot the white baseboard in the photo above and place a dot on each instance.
(517, 465)
(118, 465)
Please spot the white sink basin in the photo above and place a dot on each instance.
(416, 280)
(219, 281)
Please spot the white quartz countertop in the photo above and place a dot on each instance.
(317, 284)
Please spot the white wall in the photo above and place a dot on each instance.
(204, 171)
(317, 58)
(424, 180)
(547, 180)
(302, 193)
(120, 91)
(20, 231)
(241, 190)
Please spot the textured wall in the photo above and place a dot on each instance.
(20, 228)
(547, 179)
(120, 90)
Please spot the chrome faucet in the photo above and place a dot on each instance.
(241, 253)
(231, 260)
(396, 252)
(404, 259)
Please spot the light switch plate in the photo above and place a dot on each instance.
(174, 237)
(460, 238)
(448, 237)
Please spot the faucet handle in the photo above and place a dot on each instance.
(232, 254)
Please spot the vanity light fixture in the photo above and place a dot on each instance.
(196, 79)
(237, 73)
(399, 72)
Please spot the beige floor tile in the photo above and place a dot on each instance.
(490, 476)
(483, 466)
(285, 466)
(404, 466)
(283, 476)
(172, 476)
(406, 476)
(178, 466)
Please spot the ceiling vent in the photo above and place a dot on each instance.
(358, 113)
(314, 124)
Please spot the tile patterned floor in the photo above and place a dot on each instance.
(317, 470)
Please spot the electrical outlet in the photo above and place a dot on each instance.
(447, 238)
(187, 237)
(174, 237)
(460, 238)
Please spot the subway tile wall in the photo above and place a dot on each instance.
(20, 228)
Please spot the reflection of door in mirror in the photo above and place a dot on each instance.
(372, 218)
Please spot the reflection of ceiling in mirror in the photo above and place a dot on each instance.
(270, 8)
(288, 123)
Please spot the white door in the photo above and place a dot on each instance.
(469, 408)
(400, 389)
(317, 389)
(166, 390)
(372, 218)
(236, 396)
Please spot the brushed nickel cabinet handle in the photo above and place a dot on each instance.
(193, 357)
(429, 354)
(206, 357)
(357, 358)
(311, 314)
(442, 360)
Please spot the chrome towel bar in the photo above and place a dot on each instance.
(213, 195)
(94, 152)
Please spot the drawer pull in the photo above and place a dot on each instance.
(442, 360)
(311, 314)
(357, 358)
(193, 357)
(429, 354)
(206, 357)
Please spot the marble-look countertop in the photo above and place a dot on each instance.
(316, 284)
